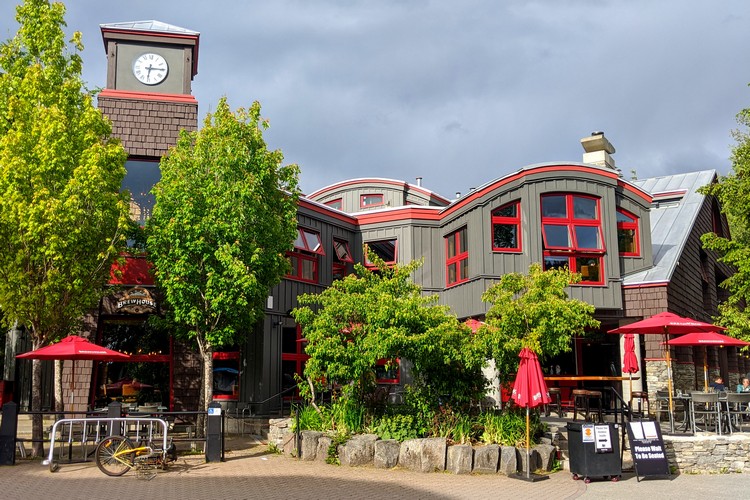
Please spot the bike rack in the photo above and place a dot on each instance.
(98, 428)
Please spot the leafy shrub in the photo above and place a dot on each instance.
(456, 427)
(508, 427)
(399, 427)
(309, 419)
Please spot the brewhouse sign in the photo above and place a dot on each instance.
(137, 300)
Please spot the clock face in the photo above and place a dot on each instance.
(150, 68)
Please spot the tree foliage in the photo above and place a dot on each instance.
(532, 311)
(732, 193)
(383, 315)
(62, 216)
(225, 215)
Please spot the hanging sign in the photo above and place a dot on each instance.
(136, 300)
(647, 448)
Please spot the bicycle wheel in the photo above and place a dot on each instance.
(114, 455)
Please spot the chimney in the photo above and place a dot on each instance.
(419, 182)
(598, 150)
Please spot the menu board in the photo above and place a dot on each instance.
(647, 448)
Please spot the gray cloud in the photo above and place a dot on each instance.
(461, 93)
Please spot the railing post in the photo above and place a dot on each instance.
(8, 432)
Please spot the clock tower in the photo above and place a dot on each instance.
(148, 96)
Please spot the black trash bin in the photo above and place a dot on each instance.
(594, 451)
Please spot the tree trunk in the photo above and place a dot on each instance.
(37, 432)
(207, 380)
(59, 395)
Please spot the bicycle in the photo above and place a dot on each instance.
(115, 455)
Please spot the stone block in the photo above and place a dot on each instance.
(486, 459)
(359, 450)
(434, 451)
(310, 444)
(324, 442)
(423, 455)
(289, 443)
(546, 454)
(460, 459)
(410, 454)
(535, 461)
(508, 460)
(386, 453)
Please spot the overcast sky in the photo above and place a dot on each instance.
(460, 92)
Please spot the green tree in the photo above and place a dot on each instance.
(224, 217)
(62, 216)
(370, 316)
(532, 311)
(732, 192)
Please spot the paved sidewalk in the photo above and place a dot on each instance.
(250, 472)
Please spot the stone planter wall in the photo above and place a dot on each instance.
(422, 455)
(709, 454)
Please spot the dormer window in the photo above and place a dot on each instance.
(304, 257)
(370, 200)
(628, 242)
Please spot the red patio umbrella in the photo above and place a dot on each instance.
(529, 391)
(74, 348)
(707, 339)
(667, 324)
(629, 359)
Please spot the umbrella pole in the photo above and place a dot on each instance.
(669, 386)
(528, 462)
(705, 369)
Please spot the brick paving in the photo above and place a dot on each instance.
(250, 472)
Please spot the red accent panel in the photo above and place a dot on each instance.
(134, 271)
(411, 212)
(148, 96)
(226, 355)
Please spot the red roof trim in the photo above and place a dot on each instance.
(669, 194)
(390, 182)
(148, 96)
(647, 285)
(412, 212)
(331, 212)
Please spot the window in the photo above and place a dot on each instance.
(384, 249)
(627, 234)
(226, 380)
(304, 257)
(456, 258)
(341, 257)
(388, 371)
(370, 200)
(506, 228)
(572, 235)
(140, 178)
(337, 203)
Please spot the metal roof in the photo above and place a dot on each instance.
(673, 213)
(151, 25)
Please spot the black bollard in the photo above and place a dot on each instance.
(213, 433)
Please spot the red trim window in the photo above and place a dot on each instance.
(226, 379)
(628, 241)
(506, 228)
(304, 257)
(572, 235)
(293, 359)
(337, 203)
(370, 200)
(342, 257)
(456, 258)
(387, 250)
(388, 371)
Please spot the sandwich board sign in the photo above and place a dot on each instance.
(647, 448)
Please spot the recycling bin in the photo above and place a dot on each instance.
(594, 450)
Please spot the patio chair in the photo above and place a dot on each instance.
(738, 405)
(704, 406)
